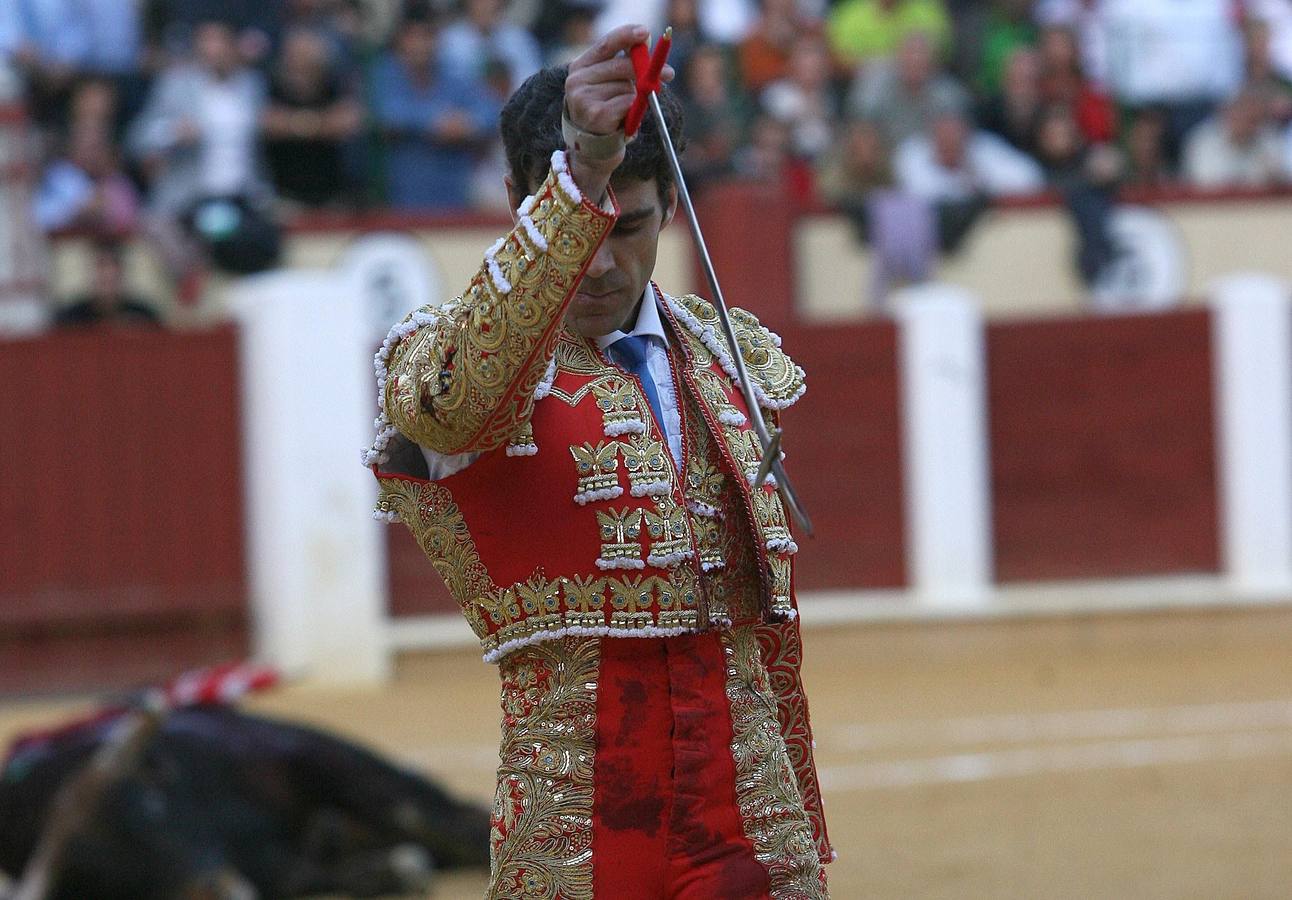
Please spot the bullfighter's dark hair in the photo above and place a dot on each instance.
(531, 132)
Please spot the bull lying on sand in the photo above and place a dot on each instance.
(216, 803)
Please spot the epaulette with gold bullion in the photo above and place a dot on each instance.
(778, 381)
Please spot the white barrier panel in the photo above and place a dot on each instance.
(316, 556)
(1253, 379)
(944, 446)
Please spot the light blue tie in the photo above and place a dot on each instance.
(630, 353)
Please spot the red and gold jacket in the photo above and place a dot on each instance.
(575, 519)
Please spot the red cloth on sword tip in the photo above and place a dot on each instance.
(648, 66)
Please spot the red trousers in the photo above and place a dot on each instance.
(647, 768)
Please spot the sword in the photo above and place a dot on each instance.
(648, 84)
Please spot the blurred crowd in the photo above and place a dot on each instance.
(199, 122)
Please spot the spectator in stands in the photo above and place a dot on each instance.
(338, 23)
(953, 162)
(1184, 56)
(715, 115)
(903, 94)
(255, 25)
(765, 52)
(1238, 147)
(1260, 75)
(1064, 83)
(957, 171)
(1010, 27)
(53, 42)
(1085, 176)
(683, 16)
(1014, 111)
(899, 228)
(804, 99)
(198, 134)
(482, 34)
(864, 30)
(94, 104)
(766, 156)
(488, 177)
(435, 124)
(1088, 21)
(107, 302)
(310, 116)
(987, 36)
(577, 31)
(1146, 160)
(859, 164)
(86, 187)
(1276, 17)
(198, 141)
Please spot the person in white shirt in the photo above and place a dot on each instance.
(1238, 147)
(954, 162)
(198, 138)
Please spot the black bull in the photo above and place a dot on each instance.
(220, 797)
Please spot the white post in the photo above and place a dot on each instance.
(945, 461)
(1252, 341)
(316, 557)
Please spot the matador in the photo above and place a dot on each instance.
(569, 446)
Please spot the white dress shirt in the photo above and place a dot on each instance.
(648, 325)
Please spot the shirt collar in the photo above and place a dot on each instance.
(648, 322)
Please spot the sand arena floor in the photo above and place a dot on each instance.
(1122, 756)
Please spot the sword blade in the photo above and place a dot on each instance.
(771, 455)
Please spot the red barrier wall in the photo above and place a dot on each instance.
(844, 453)
(1102, 437)
(121, 517)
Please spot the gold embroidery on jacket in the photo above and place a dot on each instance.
(617, 400)
(668, 531)
(771, 517)
(541, 836)
(538, 596)
(631, 595)
(722, 533)
(620, 537)
(598, 468)
(767, 791)
(704, 482)
(576, 355)
(781, 649)
(648, 468)
(708, 537)
(587, 601)
(585, 594)
(780, 569)
(439, 529)
(467, 380)
(714, 391)
(779, 377)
